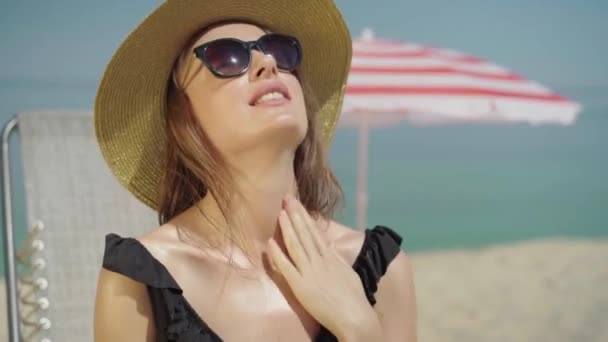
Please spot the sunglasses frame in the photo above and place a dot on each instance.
(201, 50)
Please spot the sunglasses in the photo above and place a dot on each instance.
(230, 57)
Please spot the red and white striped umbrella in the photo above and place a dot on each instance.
(393, 81)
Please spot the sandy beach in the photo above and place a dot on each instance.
(544, 290)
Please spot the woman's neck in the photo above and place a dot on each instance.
(256, 203)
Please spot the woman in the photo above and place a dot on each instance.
(217, 114)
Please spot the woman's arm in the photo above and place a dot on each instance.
(122, 310)
(396, 301)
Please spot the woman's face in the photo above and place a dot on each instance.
(234, 112)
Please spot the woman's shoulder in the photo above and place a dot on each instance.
(141, 258)
(350, 242)
(154, 243)
(160, 242)
(129, 271)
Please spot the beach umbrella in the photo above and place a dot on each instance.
(392, 81)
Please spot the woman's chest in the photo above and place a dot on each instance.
(239, 307)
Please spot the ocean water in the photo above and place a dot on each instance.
(443, 187)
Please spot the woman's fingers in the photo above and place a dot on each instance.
(319, 241)
(292, 242)
(302, 228)
(283, 265)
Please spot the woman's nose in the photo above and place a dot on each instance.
(262, 66)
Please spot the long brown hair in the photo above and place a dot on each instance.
(195, 168)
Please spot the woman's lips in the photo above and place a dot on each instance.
(271, 91)
(271, 99)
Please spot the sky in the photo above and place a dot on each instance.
(556, 42)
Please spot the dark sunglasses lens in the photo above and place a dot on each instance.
(285, 50)
(227, 57)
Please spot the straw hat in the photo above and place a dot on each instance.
(131, 99)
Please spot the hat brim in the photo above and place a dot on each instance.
(131, 99)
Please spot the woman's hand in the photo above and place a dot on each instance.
(324, 284)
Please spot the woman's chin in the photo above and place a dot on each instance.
(285, 127)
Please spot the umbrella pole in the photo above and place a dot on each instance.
(362, 173)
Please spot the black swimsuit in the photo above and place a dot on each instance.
(174, 317)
